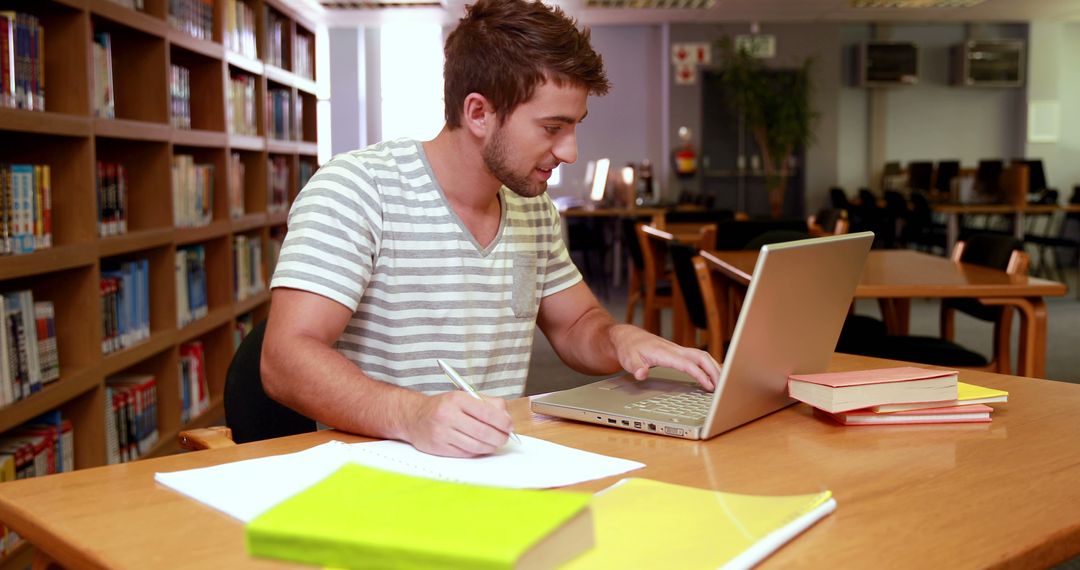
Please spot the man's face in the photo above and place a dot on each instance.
(536, 137)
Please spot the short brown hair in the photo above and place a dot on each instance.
(504, 49)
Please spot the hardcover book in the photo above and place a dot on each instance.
(950, 414)
(843, 391)
(360, 517)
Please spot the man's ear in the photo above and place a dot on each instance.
(478, 115)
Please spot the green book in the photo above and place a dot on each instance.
(359, 517)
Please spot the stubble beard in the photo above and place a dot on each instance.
(495, 160)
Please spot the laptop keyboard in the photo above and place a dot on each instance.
(692, 405)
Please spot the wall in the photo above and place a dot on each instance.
(794, 43)
(625, 124)
(1053, 75)
(935, 120)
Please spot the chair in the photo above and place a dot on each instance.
(1063, 237)
(919, 175)
(589, 236)
(828, 221)
(698, 216)
(635, 286)
(868, 216)
(999, 252)
(838, 198)
(655, 249)
(698, 294)
(921, 230)
(988, 179)
(946, 171)
(736, 234)
(250, 414)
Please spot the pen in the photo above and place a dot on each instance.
(466, 387)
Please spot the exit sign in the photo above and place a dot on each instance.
(761, 46)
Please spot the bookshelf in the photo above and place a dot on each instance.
(72, 139)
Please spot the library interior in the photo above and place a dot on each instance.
(865, 213)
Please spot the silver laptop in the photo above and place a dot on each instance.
(790, 321)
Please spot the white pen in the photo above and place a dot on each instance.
(466, 387)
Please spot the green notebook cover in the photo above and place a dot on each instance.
(359, 517)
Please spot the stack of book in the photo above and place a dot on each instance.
(905, 395)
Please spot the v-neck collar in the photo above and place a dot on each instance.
(482, 251)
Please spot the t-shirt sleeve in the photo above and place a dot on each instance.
(334, 232)
(561, 273)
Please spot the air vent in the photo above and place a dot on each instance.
(652, 4)
(915, 3)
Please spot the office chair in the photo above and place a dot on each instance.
(998, 252)
(943, 177)
(698, 295)
(895, 218)
(250, 415)
(920, 173)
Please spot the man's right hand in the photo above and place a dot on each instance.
(456, 424)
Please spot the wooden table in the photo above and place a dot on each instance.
(897, 276)
(920, 496)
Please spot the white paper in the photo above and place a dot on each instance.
(246, 489)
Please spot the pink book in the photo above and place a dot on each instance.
(843, 391)
(950, 414)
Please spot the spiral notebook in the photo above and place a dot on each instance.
(246, 489)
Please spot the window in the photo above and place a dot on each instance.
(411, 69)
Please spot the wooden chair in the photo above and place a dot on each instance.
(998, 252)
(701, 300)
(654, 248)
(828, 222)
(251, 415)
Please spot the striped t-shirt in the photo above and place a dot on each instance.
(373, 231)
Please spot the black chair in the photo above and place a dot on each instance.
(946, 171)
(919, 175)
(988, 180)
(698, 216)
(867, 216)
(838, 198)
(895, 218)
(588, 235)
(998, 252)
(1065, 236)
(736, 234)
(249, 412)
(921, 230)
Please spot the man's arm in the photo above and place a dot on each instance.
(301, 369)
(588, 339)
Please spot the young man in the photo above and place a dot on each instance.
(406, 252)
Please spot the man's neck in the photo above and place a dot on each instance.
(458, 163)
(473, 193)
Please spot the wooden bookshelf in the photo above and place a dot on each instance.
(72, 140)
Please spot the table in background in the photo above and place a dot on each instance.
(916, 496)
(895, 276)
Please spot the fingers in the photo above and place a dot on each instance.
(700, 365)
(458, 425)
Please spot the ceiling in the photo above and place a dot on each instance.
(352, 12)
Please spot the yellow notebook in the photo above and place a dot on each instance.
(641, 523)
(966, 394)
(359, 517)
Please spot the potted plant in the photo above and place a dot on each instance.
(776, 108)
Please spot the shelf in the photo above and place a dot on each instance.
(248, 222)
(134, 241)
(191, 43)
(193, 137)
(134, 130)
(127, 17)
(306, 85)
(214, 319)
(278, 75)
(44, 122)
(277, 218)
(249, 304)
(71, 384)
(246, 142)
(47, 260)
(116, 361)
(292, 147)
(215, 229)
(244, 63)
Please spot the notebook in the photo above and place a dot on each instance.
(798, 298)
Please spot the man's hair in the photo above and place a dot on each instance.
(504, 49)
